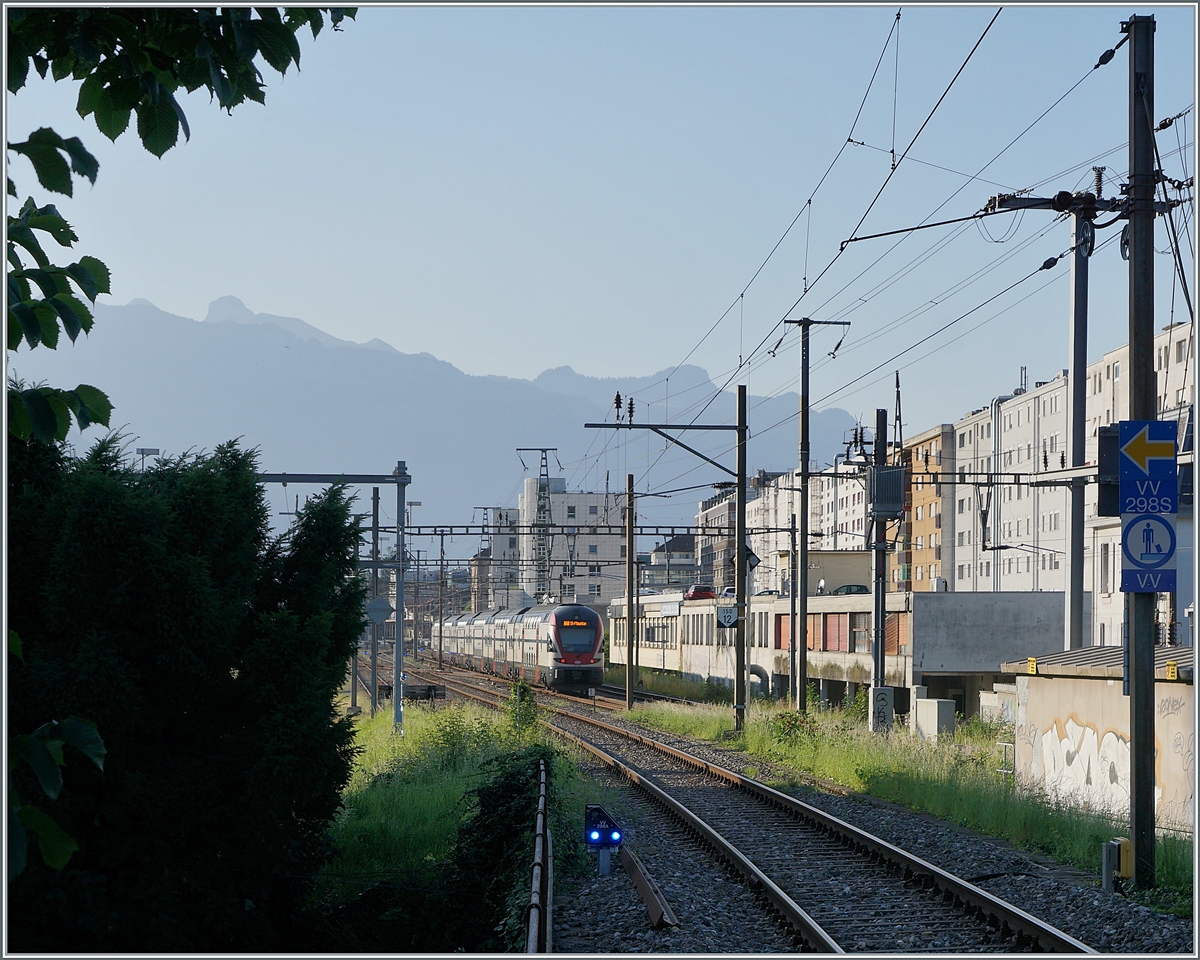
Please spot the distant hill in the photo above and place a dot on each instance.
(314, 403)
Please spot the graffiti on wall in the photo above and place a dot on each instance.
(1076, 762)
(1178, 808)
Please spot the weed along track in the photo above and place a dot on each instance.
(836, 887)
(840, 888)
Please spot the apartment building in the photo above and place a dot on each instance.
(929, 513)
(583, 565)
(1010, 532)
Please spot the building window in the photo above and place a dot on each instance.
(1179, 351)
(594, 589)
(592, 548)
(920, 573)
(593, 569)
(921, 512)
(570, 513)
(622, 550)
(962, 440)
(1104, 579)
(962, 505)
(512, 543)
(961, 541)
(960, 571)
(569, 590)
(593, 510)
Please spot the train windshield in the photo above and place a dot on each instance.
(577, 636)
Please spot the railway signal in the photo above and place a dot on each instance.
(601, 832)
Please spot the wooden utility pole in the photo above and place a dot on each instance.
(1142, 406)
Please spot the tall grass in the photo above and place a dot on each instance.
(400, 812)
(956, 779)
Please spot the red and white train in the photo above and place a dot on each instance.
(560, 647)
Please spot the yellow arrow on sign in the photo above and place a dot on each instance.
(1141, 450)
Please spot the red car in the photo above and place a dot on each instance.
(698, 591)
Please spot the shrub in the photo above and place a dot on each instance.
(157, 605)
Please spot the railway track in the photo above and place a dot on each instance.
(839, 888)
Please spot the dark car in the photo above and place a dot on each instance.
(846, 588)
(698, 591)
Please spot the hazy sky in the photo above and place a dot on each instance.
(512, 189)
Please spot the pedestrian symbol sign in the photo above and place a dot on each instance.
(1149, 492)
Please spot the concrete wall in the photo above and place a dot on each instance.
(1073, 743)
(976, 632)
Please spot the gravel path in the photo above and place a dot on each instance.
(724, 918)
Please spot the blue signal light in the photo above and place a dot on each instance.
(616, 836)
(595, 835)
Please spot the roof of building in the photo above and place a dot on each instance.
(680, 543)
(1106, 663)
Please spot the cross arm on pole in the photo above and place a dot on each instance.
(660, 427)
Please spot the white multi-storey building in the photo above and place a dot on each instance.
(583, 564)
(1013, 536)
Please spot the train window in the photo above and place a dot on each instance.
(577, 639)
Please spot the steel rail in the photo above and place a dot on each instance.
(1022, 924)
(792, 912)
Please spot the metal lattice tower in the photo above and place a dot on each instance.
(541, 536)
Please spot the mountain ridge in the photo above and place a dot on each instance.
(312, 403)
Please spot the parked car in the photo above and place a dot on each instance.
(767, 593)
(846, 588)
(729, 593)
(698, 591)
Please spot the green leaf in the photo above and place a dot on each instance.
(91, 92)
(98, 271)
(96, 405)
(51, 169)
(55, 846)
(14, 645)
(43, 278)
(84, 737)
(18, 420)
(20, 233)
(48, 322)
(53, 224)
(18, 64)
(82, 162)
(277, 44)
(187, 133)
(83, 277)
(106, 104)
(18, 842)
(37, 754)
(74, 315)
(14, 330)
(158, 126)
(49, 417)
(30, 325)
(12, 188)
(60, 67)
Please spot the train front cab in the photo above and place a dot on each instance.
(577, 637)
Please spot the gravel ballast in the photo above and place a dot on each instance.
(605, 914)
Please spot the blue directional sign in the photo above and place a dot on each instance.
(1149, 494)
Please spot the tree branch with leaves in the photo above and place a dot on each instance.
(130, 62)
